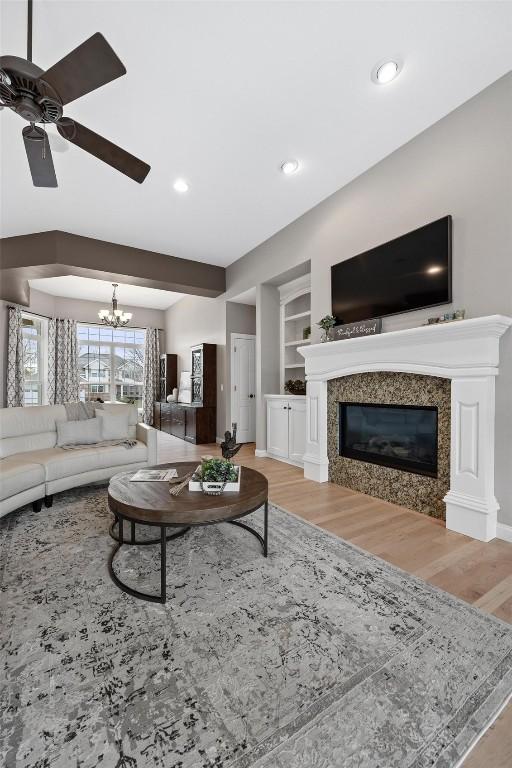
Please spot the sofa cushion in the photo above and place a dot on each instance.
(17, 475)
(29, 429)
(58, 462)
(81, 432)
(131, 410)
(114, 426)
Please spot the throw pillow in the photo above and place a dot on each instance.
(114, 426)
(82, 432)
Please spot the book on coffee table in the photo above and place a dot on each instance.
(154, 475)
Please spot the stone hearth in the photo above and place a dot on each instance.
(465, 352)
(415, 491)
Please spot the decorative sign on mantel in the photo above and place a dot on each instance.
(351, 330)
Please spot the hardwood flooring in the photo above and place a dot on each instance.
(478, 573)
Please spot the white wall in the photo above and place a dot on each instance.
(75, 309)
(461, 166)
(267, 355)
(194, 320)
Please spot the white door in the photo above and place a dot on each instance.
(297, 429)
(243, 387)
(277, 427)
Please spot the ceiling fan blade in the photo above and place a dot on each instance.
(39, 156)
(103, 149)
(86, 68)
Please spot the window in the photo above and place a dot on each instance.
(110, 363)
(34, 332)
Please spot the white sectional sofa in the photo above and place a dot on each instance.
(33, 468)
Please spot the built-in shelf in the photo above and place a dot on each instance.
(297, 342)
(298, 316)
(295, 300)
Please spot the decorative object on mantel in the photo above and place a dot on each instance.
(306, 332)
(354, 330)
(326, 323)
(448, 317)
(295, 387)
(173, 397)
(230, 447)
(214, 476)
(114, 316)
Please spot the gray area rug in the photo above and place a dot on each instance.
(321, 656)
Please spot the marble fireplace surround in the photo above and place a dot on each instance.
(467, 353)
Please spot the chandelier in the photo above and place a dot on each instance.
(114, 316)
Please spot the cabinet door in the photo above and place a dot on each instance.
(277, 428)
(165, 417)
(190, 424)
(297, 429)
(178, 421)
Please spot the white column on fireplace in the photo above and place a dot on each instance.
(467, 352)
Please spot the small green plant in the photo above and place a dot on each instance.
(295, 387)
(326, 323)
(218, 471)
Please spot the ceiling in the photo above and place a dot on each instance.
(221, 93)
(72, 287)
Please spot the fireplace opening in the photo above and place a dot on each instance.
(397, 436)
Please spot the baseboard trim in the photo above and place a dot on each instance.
(504, 532)
(219, 440)
(260, 453)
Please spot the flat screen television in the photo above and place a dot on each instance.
(413, 271)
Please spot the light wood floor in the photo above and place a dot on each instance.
(478, 573)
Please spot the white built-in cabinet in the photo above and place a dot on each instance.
(286, 428)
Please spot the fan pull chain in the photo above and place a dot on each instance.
(44, 141)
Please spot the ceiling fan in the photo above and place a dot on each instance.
(39, 97)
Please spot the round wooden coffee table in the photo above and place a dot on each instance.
(151, 504)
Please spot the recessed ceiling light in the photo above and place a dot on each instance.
(180, 185)
(434, 270)
(385, 72)
(290, 166)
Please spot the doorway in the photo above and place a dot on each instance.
(243, 386)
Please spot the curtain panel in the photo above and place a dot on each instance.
(150, 374)
(63, 379)
(15, 369)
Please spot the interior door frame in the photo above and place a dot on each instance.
(234, 335)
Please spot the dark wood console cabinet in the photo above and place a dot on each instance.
(193, 423)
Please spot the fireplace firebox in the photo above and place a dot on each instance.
(398, 436)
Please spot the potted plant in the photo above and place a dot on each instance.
(326, 323)
(214, 476)
(295, 387)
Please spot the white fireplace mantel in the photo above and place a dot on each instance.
(467, 352)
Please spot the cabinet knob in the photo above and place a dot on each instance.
(285, 407)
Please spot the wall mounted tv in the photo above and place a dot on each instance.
(413, 271)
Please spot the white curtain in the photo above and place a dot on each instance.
(63, 380)
(15, 370)
(150, 374)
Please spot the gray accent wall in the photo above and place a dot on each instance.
(461, 166)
